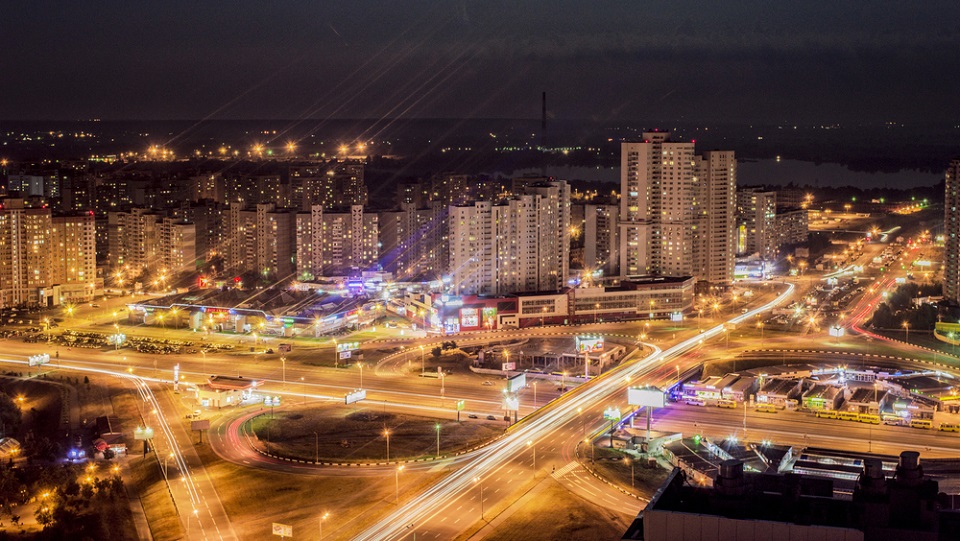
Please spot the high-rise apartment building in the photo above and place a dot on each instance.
(413, 241)
(336, 243)
(261, 239)
(677, 210)
(520, 244)
(45, 260)
(332, 185)
(757, 223)
(601, 234)
(132, 238)
(951, 232)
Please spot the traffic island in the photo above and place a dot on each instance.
(341, 435)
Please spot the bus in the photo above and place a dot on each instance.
(869, 418)
(893, 420)
(848, 416)
(724, 403)
(921, 423)
(826, 414)
(766, 408)
(691, 401)
(947, 427)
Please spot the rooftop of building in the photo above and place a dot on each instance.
(230, 383)
(866, 395)
(779, 386)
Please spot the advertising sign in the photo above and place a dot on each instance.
(489, 317)
(516, 383)
(283, 530)
(348, 346)
(345, 354)
(143, 433)
(461, 404)
(836, 331)
(509, 366)
(469, 317)
(612, 414)
(200, 425)
(37, 360)
(511, 403)
(355, 396)
(645, 396)
(589, 344)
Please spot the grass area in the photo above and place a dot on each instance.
(558, 514)
(147, 477)
(254, 498)
(646, 479)
(341, 433)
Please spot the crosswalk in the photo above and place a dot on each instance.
(571, 466)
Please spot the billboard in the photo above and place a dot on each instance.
(37, 360)
(511, 403)
(509, 366)
(355, 396)
(516, 383)
(612, 414)
(348, 346)
(200, 425)
(589, 344)
(645, 396)
(489, 317)
(283, 530)
(470, 317)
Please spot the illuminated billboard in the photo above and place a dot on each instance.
(589, 344)
(645, 396)
(469, 317)
(489, 317)
(516, 383)
(511, 403)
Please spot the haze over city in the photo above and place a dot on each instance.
(479, 270)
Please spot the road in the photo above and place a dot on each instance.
(804, 429)
(194, 494)
(429, 512)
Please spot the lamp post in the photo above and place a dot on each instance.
(479, 481)
(543, 312)
(360, 365)
(534, 395)
(596, 312)
(438, 439)
(399, 469)
(283, 364)
(336, 353)
(534, 447)
(421, 360)
(633, 474)
(386, 433)
(906, 328)
(323, 518)
(583, 425)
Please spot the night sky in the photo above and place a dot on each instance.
(808, 62)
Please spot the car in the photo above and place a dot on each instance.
(94, 305)
(196, 414)
(487, 383)
(472, 416)
(491, 418)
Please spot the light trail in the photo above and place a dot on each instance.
(146, 394)
(438, 498)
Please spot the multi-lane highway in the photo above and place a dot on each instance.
(431, 510)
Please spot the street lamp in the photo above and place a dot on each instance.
(906, 327)
(438, 439)
(421, 360)
(543, 312)
(399, 469)
(534, 447)
(534, 395)
(336, 353)
(386, 433)
(283, 363)
(360, 365)
(323, 518)
(633, 474)
(479, 481)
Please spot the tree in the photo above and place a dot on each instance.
(10, 414)
(437, 352)
(44, 515)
